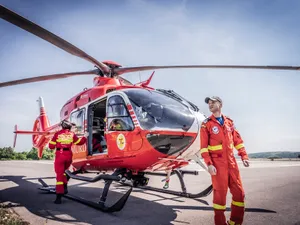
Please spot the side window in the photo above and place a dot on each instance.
(118, 118)
(78, 118)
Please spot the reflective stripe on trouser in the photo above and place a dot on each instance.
(228, 178)
(238, 196)
(237, 213)
(61, 163)
(230, 222)
(219, 205)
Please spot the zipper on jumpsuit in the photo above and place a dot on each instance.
(224, 149)
(226, 152)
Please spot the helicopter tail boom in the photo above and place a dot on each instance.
(43, 118)
(41, 132)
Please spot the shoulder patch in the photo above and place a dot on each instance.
(206, 120)
(229, 118)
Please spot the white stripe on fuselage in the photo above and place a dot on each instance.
(195, 147)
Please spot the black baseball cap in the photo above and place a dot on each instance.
(213, 98)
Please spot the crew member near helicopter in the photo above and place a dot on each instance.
(62, 140)
(96, 143)
(218, 139)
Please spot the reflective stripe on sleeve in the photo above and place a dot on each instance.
(202, 150)
(239, 146)
(79, 139)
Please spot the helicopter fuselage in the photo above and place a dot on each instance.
(159, 129)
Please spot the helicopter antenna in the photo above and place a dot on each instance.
(140, 76)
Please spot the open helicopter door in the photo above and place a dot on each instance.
(78, 117)
(96, 127)
(123, 138)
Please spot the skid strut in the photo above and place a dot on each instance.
(179, 174)
(101, 204)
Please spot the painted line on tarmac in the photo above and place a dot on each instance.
(192, 166)
(28, 161)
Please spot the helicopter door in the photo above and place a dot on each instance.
(119, 126)
(96, 124)
(78, 117)
(90, 129)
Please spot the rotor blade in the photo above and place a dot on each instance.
(119, 71)
(47, 77)
(35, 29)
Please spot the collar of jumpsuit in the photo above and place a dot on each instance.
(220, 120)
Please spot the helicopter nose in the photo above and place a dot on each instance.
(170, 144)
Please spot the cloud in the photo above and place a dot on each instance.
(262, 103)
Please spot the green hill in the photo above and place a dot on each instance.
(275, 155)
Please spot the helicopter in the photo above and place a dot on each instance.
(159, 134)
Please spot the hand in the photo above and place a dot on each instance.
(212, 170)
(246, 163)
(86, 134)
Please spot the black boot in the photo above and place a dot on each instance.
(66, 188)
(58, 199)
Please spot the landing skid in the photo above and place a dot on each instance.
(118, 206)
(179, 174)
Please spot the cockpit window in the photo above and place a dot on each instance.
(116, 107)
(118, 118)
(156, 109)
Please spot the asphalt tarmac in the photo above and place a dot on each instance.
(272, 197)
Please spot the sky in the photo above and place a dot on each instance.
(263, 104)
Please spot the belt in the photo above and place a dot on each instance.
(64, 149)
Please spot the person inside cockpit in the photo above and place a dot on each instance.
(117, 125)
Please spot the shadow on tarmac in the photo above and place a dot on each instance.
(136, 211)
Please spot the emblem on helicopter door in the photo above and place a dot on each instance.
(121, 141)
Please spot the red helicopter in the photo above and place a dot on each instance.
(139, 130)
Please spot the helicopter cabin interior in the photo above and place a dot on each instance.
(96, 127)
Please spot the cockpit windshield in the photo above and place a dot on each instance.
(155, 109)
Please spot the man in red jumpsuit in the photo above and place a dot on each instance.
(62, 141)
(218, 139)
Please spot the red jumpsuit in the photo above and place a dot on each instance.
(97, 145)
(62, 141)
(217, 144)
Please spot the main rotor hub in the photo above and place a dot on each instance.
(112, 64)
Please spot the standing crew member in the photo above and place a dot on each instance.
(62, 141)
(218, 139)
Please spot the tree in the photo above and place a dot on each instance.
(33, 154)
(20, 155)
(7, 153)
(48, 154)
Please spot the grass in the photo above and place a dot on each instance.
(9, 217)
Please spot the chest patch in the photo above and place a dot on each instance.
(215, 129)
